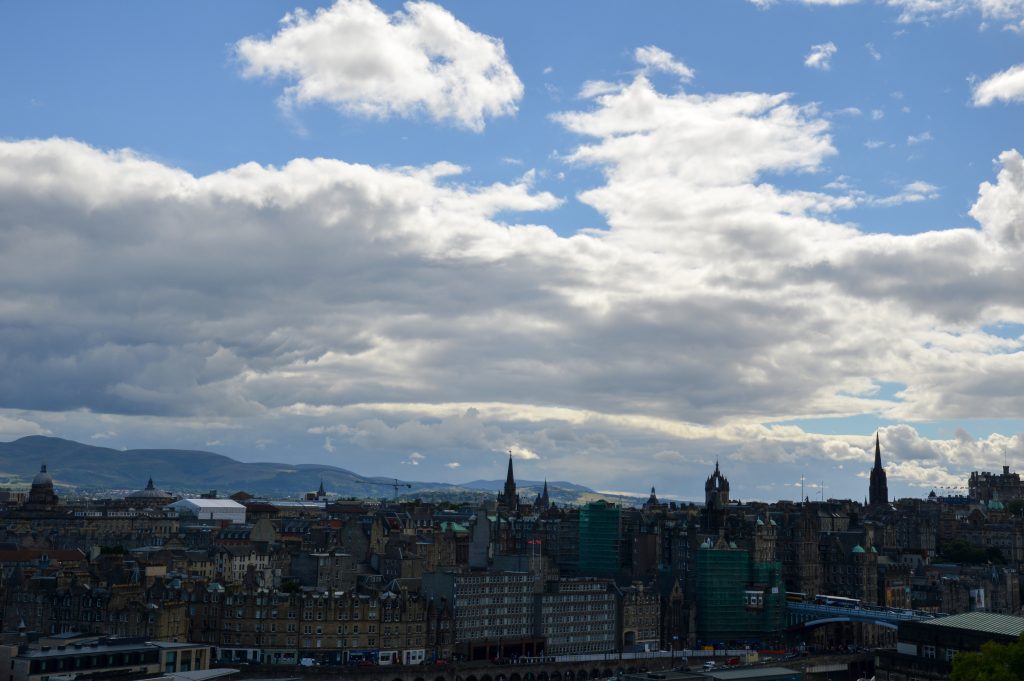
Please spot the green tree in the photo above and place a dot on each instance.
(995, 662)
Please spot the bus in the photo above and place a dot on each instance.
(837, 601)
(795, 597)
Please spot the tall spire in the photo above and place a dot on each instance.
(508, 499)
(878, 490)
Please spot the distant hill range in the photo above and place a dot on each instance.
(88, 469)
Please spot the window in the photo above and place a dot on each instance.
(928, 652)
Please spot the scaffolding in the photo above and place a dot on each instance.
(738, 599)
(599, 539)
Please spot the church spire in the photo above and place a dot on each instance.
(508, 499)
(510, 478)
(878, 490)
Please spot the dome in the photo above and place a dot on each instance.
(42, 478)
(151, 492)
(858, 549)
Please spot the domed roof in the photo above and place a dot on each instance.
(858, 549)
(42, 478)
(151, 492)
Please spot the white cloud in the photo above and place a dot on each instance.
(877, 114)
(1000, 206)
(912, 192)
(873, 51)
(520, 452)
(670, 456)
(830, 3)
(820, 56)
(1006, 86)
(1007, 11)
(357, 58)
(874, 144)
(15, 426)
(328, 445)
(393, 310)
(656, 59)
(925, 136)
(414, 459)
(453, 465)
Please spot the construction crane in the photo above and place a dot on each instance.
(395, 485)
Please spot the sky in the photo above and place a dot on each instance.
(621, 240)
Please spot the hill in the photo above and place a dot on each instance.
(87, 469)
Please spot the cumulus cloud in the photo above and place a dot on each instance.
(820, 56)
(1006, 86)
(363, 61)
(656, 59)
(395, 310)
(1000, 206)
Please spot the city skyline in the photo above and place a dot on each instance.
(623, 243)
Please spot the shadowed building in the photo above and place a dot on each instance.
(508, 499)
(42, 495)
(878, 492)
(716, 500)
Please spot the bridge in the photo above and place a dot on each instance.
(809, 615)
(564, 668)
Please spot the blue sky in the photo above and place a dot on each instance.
(818, 291)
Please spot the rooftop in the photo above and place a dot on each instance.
(988, 622)
(750, 673)
(209, 503)
(102, 646)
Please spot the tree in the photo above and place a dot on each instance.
(1016, 507)
(994, 662)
